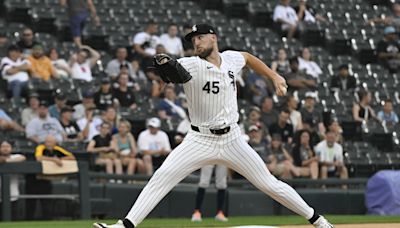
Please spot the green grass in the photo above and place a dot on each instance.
(233, 221)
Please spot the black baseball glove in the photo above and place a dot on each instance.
(170, 70)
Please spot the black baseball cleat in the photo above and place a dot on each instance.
(119, 224)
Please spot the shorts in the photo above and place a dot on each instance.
(76, 23)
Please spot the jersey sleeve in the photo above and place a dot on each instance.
(237, 59)
(190, 64)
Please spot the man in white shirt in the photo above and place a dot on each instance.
(39, 128)
(15, 70)
(145, 43)
(81, 64)
(90, 124)
(172, 42)
(330, 156)
(153, 145)
(286, 17)
(113, 68)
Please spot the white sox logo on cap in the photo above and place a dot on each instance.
(194, 28)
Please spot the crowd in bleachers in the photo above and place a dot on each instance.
(128, 119)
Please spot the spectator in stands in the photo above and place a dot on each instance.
(104, 97)
(111, 116)
(362, 111)
(286, 18)
(31, 111)
(6, 123)
(310, 115)
(298, 80)
(172, 42)
(7, 155)
(254, 118)
(157, 85)
(280, 162)
(188, 48)
(283, 127)
(81, 63)
(125, 97)
(269, 115)
(258, 142)
(144, 43)
(89, 124)
(50, 151)
(60, 65)
(4, 43)
(87, 101)
(295, 116)
(71, 128)
(113, 68)
(307, 65)
(343, 81)
(330, 154)
(388, 50)
(387, 116)
(258, 87)
(38, 128)
(304, 155)
(15, 70)
(27, 41)
(78, 13)
(105, 153)
(138, 72)
(281, 64)
(153, 145)
(335, 127)
(393, 20)
(60, 101)
(41, 66)
(47, 151)
(305, 13)
(170, 107)
(125, 145)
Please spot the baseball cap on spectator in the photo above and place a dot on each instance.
(61, 96)
(13, 48)
(389, 30)
(38, 46)
(200, 29)
(276, 137)
(33, 94)
(255, 108)
(67, 109)
(105, 80)
(44, 103)
(311, 94)
(154, 122)
(87, 94)
(343, 66)
(253, 128)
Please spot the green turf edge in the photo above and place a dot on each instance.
(209, 222)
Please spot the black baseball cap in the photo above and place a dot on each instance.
(67, 109)
(200, 29)
(105, 80)
(61, 96)
(44, 103)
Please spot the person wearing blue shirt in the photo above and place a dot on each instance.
(387, 114)
(6, 123)
(170, 107)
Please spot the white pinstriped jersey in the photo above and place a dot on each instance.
(211, 93)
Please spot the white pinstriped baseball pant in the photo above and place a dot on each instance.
(198, 150)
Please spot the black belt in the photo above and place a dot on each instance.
(214, 131)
